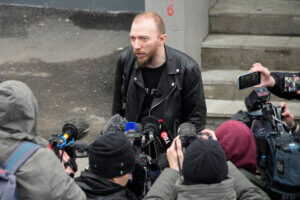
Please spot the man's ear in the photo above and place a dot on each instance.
(163, 38)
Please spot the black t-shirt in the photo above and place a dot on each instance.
(151, 78)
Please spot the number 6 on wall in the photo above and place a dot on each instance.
(170, 10)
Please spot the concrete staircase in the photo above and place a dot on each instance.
(243, 32)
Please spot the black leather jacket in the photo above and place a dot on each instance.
(181, 92)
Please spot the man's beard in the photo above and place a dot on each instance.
(144, 62)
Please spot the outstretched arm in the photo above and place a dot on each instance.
(164, 187)
(275, 81)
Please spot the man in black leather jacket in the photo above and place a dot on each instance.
(154, 79)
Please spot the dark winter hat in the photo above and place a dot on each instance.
(111, 156)
(204, 162)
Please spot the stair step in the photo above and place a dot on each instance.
(262, 17)
(222, 84)
(221, 51)
(219, 111)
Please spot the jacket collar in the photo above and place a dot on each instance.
(172, 65)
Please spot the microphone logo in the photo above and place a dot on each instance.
(165, 137)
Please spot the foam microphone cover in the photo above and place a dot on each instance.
(187, 129)
(115, 124)
(78, 126)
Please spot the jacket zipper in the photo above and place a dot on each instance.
(161, 100)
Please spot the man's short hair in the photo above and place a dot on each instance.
(155, 17)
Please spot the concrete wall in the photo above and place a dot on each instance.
(186, 20)
(94, 5)
(186, 23)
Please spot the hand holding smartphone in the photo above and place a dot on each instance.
(248, 80)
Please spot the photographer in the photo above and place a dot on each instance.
(111, 161)
(276, 83)
(42, 175)
(239, 145)
(288, 118)
(206, 174)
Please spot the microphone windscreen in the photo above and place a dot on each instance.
(79, 126)
(187, 129)
(115, 124)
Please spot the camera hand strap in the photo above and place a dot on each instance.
(178, 162)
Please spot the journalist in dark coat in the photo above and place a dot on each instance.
(111, 161)
(276, 83)
(179, 95)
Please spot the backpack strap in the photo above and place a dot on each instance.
(20, 155)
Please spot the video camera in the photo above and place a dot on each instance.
(72, 130)
(278, 151)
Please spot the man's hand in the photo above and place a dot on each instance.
(65, 159)
(265, 78)
(175, 154)
(206, 133)
(287, 116)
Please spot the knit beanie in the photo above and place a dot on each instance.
(204, 162)
(111, 156)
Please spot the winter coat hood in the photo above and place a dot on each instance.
(239, 144)
(18, 113)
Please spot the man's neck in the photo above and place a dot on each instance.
(159, 59)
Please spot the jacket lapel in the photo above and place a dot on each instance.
(167, 82)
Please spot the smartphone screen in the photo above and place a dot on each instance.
(292, 83)
(248, 80)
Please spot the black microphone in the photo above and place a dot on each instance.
(187, 132)
(150, 128)
(154, 127)
(73, 129)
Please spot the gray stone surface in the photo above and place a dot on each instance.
(241, 51)
(276, 17)
(67, 58)
(187, 24)
(92, 5)
(243, 32)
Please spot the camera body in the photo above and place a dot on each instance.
(278, 152)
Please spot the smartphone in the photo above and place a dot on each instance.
(248, 80)
(291, 83)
